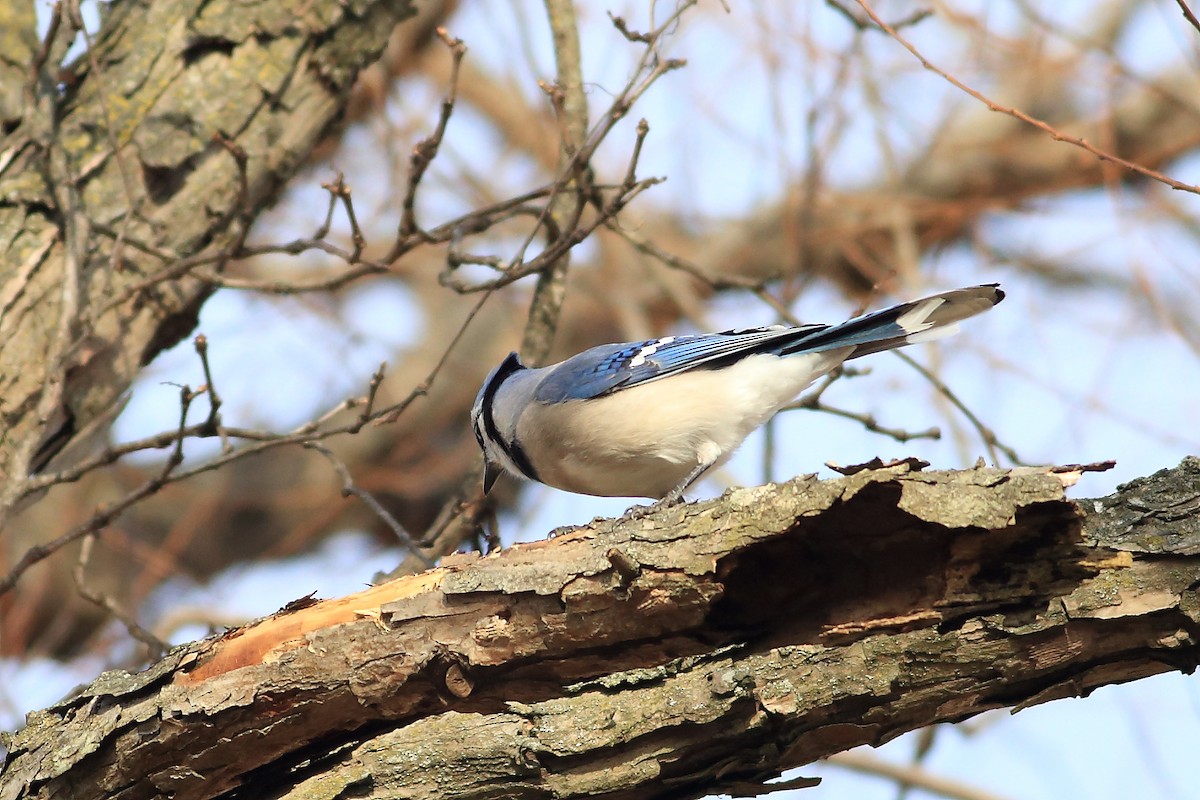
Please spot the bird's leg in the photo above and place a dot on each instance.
(672, 497)
(675, 495)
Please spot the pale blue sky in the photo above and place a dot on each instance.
(1061, 376)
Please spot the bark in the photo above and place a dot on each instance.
(702, 650)
(280, 502)
(162, 143)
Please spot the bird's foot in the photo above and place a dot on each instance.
(641, 512)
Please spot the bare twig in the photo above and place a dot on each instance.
(566, 206)
(473, 222)
(643, 245)
(914, 776)
(156, 645)
(516, 271)
(631, 35)
(1188, 15)
(573, 190)
(917, 16)
(105, 516)
(1015, 113)
(339, 191)
(334, 196)
(306, 434)
(212, 425)
(813, 400)
(349, 487)
(391, 414)
(988, 436)
(426, 150)
(368, 409)
(868, 421)
(573, 174)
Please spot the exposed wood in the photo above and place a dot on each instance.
(160, 145)
(282, 502)
(711, 645)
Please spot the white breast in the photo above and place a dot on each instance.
(643, 441)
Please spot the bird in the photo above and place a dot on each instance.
(647, 419)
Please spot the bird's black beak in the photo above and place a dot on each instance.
(491, 471)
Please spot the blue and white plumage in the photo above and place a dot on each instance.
(646, 419)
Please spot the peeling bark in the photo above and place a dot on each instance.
(711, 645)
(279, 503)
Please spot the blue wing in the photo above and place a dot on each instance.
(611, 367)
(608, 368)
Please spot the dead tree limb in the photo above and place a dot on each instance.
(702, 650)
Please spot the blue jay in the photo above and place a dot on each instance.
(646, 419)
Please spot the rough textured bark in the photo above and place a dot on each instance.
(112, 176)
(175, 129)
(703, 649)
(280, 503)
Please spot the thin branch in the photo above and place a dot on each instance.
(427, 149)
(473, 222)
(649, 248)
(349, 487)
(330, 186)
(909, 775)
(1015, 113)
(308, 433)
(630, 35)
(390, 415)
(156, 645)
(861, 24)
(515, 272)
(990, 441)
(213, 423)
(105, 516)
(340, 191)
(566, 206)
(1188, 15)
(377, 381)
(813, 402)
(568, 229)
(573, 174)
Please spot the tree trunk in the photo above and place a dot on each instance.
(152, 153)
(702, 650)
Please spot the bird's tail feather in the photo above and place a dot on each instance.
(908, 323)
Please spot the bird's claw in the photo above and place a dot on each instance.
(641, 512)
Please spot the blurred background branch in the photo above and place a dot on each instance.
(699, 167)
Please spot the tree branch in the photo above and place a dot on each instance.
(176, 89)
(708, 647)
